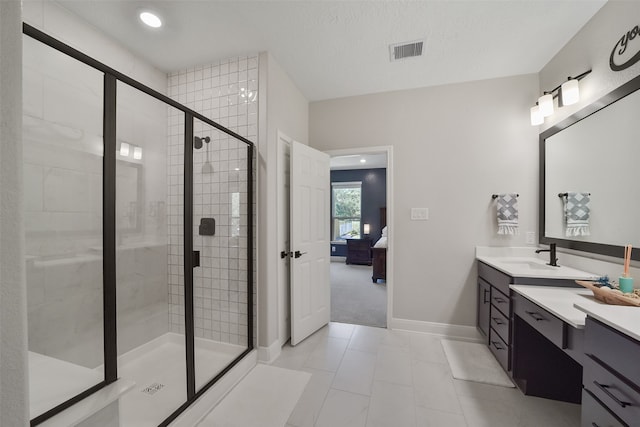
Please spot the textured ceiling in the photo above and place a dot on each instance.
(333, 49)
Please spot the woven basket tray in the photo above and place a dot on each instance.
(609, 297)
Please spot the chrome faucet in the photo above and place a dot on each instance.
(553, 261)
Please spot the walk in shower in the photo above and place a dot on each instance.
(139, 239)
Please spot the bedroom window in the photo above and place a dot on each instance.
(346, 202)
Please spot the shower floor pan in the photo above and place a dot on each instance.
(158, 368)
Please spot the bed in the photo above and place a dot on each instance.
(379, 251)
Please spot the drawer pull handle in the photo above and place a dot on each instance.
(499, 300)
(537, 316)
(498, 320)
(605, 389)
(497, 345)
(484, 297)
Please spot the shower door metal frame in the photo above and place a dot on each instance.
(111, 78)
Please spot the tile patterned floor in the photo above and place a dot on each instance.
(372, 377)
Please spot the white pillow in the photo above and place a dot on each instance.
(381, 243)
(384, 231)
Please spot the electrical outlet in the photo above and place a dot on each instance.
(531, 238)
(419, 214)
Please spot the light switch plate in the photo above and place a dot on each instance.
(531, 238)
(419, 214)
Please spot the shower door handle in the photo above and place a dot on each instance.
(196, 259)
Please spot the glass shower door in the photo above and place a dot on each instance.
(220, 242)
(63, 155)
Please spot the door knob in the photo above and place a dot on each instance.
(298, 254)
(284, 254)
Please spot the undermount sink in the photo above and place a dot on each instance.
(534, 267)
(529, 264)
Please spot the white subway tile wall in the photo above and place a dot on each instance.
(225, 92)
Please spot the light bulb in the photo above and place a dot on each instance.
(150, 19)
(536, 116)
(124, 149)
(137, 153)
(570, 92)
(545, 102)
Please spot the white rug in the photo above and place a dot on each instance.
(472, 361)
(264, 398)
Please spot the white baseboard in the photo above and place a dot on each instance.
(459, 332)
(205, 404)
(269, 354)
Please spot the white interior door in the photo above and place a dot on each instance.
(309, 221)
(284, 246)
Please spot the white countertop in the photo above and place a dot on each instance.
(621, 318)
(558, 301)
(523, 262)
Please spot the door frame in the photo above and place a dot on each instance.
(283, 279)
(388, 149)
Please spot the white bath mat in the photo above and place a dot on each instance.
(472, 361)
(264, 398)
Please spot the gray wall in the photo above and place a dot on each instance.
(282, 107)
(454, 146)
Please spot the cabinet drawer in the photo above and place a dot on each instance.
(500, 324)
(541, 320)
(621, 399)
(595, 415)
(500, 301)
(499, 349)
(495, 277)
(615, 350)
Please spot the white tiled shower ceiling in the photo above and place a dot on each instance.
(225, 92)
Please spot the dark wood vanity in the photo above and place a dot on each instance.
(545, 356)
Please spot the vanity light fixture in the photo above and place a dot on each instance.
(568, 93)
(151, 19)
(137, 153)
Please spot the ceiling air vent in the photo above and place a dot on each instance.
(405, 50)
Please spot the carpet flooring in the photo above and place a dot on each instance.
(355, 298)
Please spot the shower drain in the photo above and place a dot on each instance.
(152, 389)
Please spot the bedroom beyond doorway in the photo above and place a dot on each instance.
(358, 223)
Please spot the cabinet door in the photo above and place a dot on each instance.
(484, 304)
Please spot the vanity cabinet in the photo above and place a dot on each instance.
(611, 378)
(494, 317)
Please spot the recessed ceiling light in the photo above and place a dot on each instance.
(150, 19)
(363, 160)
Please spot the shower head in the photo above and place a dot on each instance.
(197, 141)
